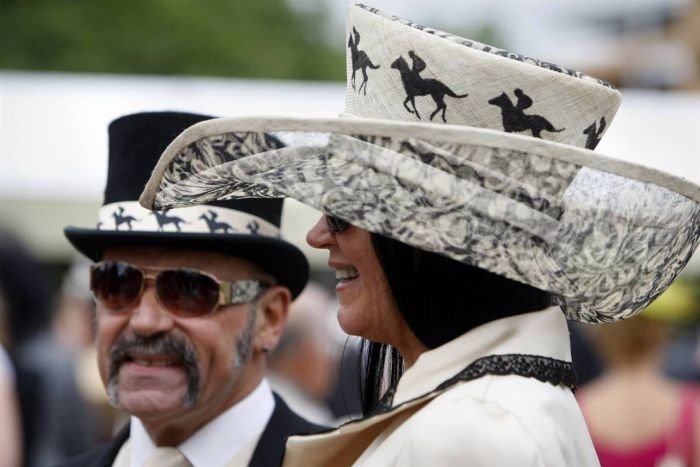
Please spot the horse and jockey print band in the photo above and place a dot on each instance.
(130, 216)
(477, 163)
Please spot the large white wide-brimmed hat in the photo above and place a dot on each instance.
(467, 150)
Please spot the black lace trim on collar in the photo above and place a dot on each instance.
(545, 369)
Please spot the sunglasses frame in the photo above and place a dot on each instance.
(335, 224)
(235, 292)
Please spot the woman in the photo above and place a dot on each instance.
(475, 232)
(415, 309)
(408, 302)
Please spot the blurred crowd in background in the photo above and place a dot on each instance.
(52, 403)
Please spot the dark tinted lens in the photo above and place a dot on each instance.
(116, 285)
(336, 224)
(187, 293)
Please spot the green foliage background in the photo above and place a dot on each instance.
(241, 38)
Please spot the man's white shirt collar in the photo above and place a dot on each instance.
(220, 439)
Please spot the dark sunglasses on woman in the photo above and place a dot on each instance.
(336, 224)
(183, 292)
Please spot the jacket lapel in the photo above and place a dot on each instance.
(103, 455)
(283, 423)
(343, 445)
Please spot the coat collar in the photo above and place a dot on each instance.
(522, 334)
(543, 333)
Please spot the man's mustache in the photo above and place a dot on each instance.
(158, 344)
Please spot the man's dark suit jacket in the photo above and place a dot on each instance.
(268, 452)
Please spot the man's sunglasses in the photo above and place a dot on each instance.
(336, 224)
(183, 292)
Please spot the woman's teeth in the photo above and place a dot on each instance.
(346, 274)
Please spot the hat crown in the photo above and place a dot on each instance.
(136, 142)
(246, 228)
(398, 70)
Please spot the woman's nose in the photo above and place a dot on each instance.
(319, 236)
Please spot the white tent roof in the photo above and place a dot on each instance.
(53, 138)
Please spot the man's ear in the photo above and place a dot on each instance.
(273, 309)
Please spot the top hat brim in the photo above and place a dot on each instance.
(281, 259)
(604, 236)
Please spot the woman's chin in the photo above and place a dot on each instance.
(344, 321)
(349, 321)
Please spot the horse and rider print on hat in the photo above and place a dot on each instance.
(473, 152)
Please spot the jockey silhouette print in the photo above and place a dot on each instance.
(516, 120)
(415, 85)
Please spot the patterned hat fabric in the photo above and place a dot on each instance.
(502, 178)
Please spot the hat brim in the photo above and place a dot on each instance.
(603, 235)
(283, 260)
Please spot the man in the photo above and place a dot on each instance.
(189, 303)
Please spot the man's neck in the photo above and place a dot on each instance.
(220, 438)
(173, 429)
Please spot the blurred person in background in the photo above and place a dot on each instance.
(74, 329)
(75, 308)
(56, 422)
(10, 423)
(638, 416)
(304, 366)
(682, 355)
(584, 357)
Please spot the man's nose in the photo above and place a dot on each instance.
(149, 317)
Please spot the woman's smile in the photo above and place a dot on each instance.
(346, 274)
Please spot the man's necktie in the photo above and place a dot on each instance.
(167, 457)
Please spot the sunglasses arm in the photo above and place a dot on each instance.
(242, 291)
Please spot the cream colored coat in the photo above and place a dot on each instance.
(493, 421)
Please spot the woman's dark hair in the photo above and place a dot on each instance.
(440, 299)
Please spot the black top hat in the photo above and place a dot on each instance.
(246, 228)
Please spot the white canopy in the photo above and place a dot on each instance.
(53, 139)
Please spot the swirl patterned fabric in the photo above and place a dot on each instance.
(603, 243)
